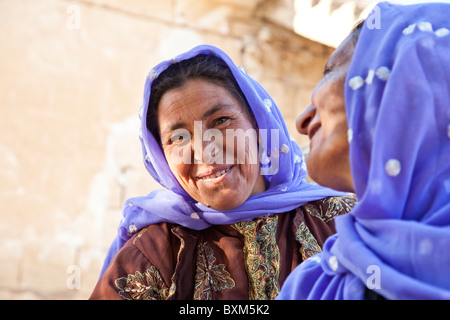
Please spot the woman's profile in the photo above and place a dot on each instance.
(388, 93)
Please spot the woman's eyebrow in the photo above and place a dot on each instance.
(215, 109)
(337, 59)
(332, 63)
(172, 127)
(178, 125)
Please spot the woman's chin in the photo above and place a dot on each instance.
(222, 203)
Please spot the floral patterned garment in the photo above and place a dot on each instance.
(246, 260)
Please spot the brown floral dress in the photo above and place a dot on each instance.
(246, 260)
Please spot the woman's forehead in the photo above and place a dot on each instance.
(200, 97)
(342, 54)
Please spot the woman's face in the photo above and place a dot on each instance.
(194, 121)
(325, 122)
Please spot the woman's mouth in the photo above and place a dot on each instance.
(214, 175)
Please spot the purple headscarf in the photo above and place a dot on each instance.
(282, 158)
(396, 240)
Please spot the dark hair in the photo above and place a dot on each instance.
(357, 30)
(203, 66)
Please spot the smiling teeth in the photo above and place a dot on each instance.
(215, 175)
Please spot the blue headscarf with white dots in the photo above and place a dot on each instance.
(282, 159)
(396, 240)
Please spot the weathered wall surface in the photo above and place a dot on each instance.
(71, 80)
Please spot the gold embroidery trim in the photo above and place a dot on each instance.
(142, 286)
(262, 256)
(308, 243)
(334, 207)
(210, 276)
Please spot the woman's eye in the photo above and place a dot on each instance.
(180, 136)
(177, 138)
(220, 120)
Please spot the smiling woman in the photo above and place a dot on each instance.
(225, 227)
(223, 186)
(325, 121)
(393, 152)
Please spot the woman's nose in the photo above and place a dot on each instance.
(207, 146)
(305, 119)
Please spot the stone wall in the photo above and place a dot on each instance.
(71, 80)
(329, 21)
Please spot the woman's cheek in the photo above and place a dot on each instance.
(179, 160)
(178, 154)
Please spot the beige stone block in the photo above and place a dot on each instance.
(10, 259)
(44, 269)
(241, 29)
(89, 263)
(280, 12)
(155, 9)
(250, 5)
(6, 294)
(177, 40)
(231, 46)
(212, 15)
